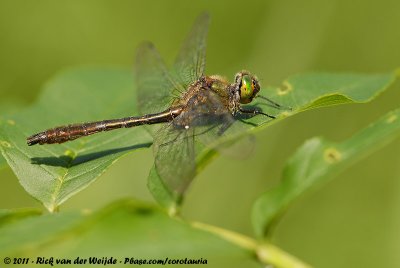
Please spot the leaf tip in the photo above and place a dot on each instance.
(52, 208)
(173, 210)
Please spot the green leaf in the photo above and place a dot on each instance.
(316, 161)
(3, 162)
(300, 92)
(314, 90)
(161, 192)
(8, 216)
(32, 232)
(129, 229)
(53, 173)
(123, 230)
(6, 109)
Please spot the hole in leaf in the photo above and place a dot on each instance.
(70, 154)
(391, 118)
(5, 144)
(285, 88)
(331, 155)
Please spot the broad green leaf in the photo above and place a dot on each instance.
(3, 162)
(300, 92)
(6, 109)
(314, 90)
(316, 161)
(32, 232)
(8, 216)
(129, 229)
(161, 192)
(53, 173)
(123, 230)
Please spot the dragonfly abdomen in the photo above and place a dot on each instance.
(71, 132)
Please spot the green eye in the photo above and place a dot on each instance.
(246, 89)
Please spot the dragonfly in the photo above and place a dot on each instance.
(190, 105)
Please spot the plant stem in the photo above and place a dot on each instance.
(265, 252)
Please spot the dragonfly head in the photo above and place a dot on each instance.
(248, 86)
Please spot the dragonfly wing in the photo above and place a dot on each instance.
(203, 119)
(208, 115)
(190, 62)
(215, 127)
(154, 83)
(157, 87)
(175, 158)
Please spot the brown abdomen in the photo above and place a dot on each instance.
(66, 133)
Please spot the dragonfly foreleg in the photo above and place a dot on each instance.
(255, 112)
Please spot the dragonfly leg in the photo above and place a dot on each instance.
(255, 112)
(273, 104)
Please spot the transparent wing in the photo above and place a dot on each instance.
(203, 120)
(155, 86)
(175, 158)
(190, 62)
(208, 115)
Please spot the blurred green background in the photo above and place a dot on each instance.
(351, 222)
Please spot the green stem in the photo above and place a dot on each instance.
(266, 252)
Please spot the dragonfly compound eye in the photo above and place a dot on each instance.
(247, 89)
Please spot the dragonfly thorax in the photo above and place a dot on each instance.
(242, 91)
